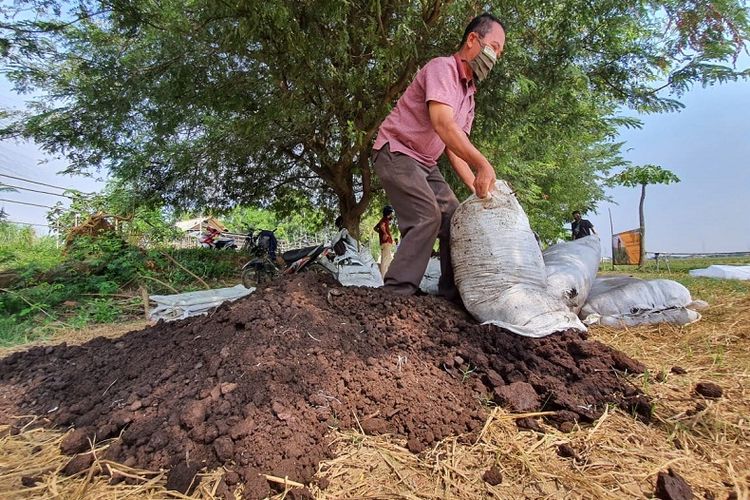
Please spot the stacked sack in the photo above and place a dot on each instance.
(622, 301)
(505, 279)
(616, 301)
(571, 269)
(499, 269)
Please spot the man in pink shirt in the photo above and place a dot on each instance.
(432, 117)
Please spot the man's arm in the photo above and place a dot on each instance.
(462, 169)
(441, 116)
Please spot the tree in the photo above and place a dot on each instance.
(642, 176)
(307, 221)
(136, 222)
(270, 103)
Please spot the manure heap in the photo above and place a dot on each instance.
(258, 384)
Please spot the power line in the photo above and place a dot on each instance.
(36, 191)
(25, 203)
(33, 182)
(26, 223)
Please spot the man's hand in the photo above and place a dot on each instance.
(484, 182)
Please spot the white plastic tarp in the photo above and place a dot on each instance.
(723, 272)
(356, 267)
(183, 305)
(626, 301)
(429, 283)
(571, 269)
(499, 269)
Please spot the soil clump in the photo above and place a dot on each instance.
(258, 384)
(672, 486)
(709, 390)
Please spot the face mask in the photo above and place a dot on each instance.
(483, 63)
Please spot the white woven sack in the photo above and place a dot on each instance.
(627, 301)
(723, 272)
(571, 269)
(431, 278)
(499, 270)
(357, 267)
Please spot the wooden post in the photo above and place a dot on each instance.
(144, 296)
(611, 237)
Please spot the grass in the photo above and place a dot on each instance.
(95, 281)
(708, 289)
(21, 249)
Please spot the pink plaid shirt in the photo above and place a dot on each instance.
(408, 129)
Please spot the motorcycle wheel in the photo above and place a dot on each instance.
(253, 277)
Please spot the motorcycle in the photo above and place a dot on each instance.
(212, 239)
(264, 267)
(262, 243)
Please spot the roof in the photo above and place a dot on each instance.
(200, 223)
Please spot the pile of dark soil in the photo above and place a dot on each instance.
(259, 383)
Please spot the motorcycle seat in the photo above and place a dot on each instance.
(293, 255)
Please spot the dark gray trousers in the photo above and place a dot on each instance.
(424, 205)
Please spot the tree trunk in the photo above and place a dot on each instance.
(351, 222)
(350, 209)
(642, 258)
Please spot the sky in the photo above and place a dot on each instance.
(26, 160)
(707, 145)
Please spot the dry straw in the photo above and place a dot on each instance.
(705, 441)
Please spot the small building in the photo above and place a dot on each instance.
(200, 224)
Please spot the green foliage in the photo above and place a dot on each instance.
(96, 311)
(275, 103)
(140, 221)
(14, 331)
(305, 219)
(642, 175)
(87, 283)
(22, 251)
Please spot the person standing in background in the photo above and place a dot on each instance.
(581, 227)
(383, 228)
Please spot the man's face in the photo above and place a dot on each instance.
(495, 39)
(577, 216)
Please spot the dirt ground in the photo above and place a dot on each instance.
(259, 385)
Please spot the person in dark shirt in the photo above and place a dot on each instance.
(581, 227)
(383, 228)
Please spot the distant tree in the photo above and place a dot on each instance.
(137, 222)
(642, 176)
(307, 220)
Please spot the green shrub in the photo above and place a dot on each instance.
(89, 271)
(22, 251)
(95, 311)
